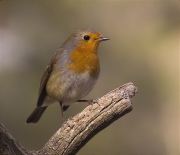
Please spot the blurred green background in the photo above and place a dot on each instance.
(144, 49)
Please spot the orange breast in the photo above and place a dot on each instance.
(83, 59)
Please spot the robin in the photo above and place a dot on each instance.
(71, 73)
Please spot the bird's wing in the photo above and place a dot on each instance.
(45, 77)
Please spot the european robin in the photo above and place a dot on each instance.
(71, 73)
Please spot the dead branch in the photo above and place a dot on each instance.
(77, 131)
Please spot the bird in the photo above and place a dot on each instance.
(71, 73)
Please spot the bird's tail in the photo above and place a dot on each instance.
(36, 114)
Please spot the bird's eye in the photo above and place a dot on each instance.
(86, 37)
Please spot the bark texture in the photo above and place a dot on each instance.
(77, 131)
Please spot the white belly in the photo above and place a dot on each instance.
(69, 88)
(78, 88)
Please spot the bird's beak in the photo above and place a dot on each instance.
(103, 39)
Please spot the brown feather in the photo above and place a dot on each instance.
(45, 77)
(36, 114)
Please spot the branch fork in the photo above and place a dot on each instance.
(77, 131)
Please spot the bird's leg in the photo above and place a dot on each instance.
(90, 102)
(62, 112)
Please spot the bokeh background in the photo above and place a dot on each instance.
(144, 49)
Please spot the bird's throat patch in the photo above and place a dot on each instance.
(84, 61)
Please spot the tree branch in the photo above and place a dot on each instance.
(77, 131)
(8, 145)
